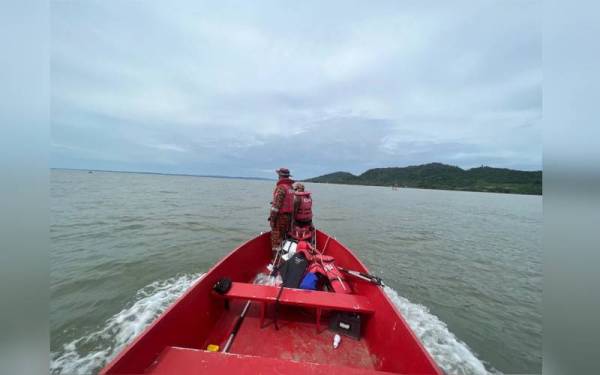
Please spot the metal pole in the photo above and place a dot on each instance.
(236, 328)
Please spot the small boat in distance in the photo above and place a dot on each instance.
(261, 329)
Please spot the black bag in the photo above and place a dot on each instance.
(293, 270)
(223, 285)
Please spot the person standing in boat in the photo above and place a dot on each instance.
(280, 215)
(302, 228)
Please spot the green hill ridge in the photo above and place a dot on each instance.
(445, 177)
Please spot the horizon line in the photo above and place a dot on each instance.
(165, 173)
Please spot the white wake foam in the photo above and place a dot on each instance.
(451, 354)
(88, 354)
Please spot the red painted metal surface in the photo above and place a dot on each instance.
(175, 342)
(297, 340)
(202, 362)
(300, 297)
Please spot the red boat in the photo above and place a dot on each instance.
(265, 329)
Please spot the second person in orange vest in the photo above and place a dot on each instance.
(302, 228)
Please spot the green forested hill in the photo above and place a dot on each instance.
(442, 176)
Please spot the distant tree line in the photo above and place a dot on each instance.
(446, 177)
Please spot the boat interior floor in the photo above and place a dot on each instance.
(296, 339)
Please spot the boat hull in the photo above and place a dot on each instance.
(176, 341)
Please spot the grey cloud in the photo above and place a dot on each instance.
(241, 88)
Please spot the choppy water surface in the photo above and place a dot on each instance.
(464, 268)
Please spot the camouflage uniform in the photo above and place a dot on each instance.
(280, 221)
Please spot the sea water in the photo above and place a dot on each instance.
(463, 268)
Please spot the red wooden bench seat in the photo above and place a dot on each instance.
(300, 297)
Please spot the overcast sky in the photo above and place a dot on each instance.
(242, 88)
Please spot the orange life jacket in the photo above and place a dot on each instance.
(325, 265)
(303, 212)
(288, 201)
(301, 232)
